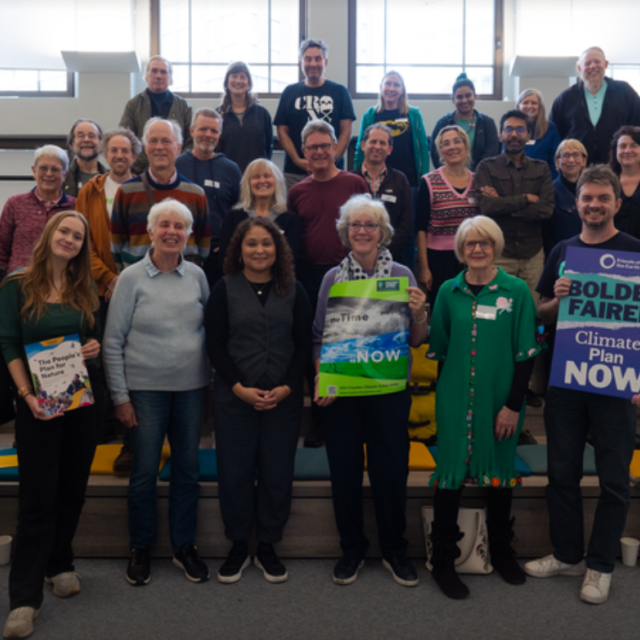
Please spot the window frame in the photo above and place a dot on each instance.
(155, 50)
(498, 56)
(68, 93)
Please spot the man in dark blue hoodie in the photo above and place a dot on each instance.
(216, 174)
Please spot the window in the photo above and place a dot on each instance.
(429, 43)
(24, 83)
(33, 33)
(201, 38)
(628, 72)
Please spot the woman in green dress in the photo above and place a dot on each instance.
(484, 330)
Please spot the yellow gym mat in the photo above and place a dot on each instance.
(107, 453)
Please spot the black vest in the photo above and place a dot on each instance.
(260, 338)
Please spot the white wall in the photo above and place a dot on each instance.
(102, 96)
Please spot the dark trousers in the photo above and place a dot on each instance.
(381, 423)
(310, 277)
(55, 459)
(256, 455)
(212, 267)
(443, 266)
(569, 415)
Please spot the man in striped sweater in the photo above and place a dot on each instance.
(130, 240)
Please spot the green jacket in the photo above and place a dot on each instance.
(138, 111)
(420, 142)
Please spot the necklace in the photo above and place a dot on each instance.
(257, 287)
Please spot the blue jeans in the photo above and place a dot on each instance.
(569, 415)
(177, 414)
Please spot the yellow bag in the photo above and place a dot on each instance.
(424, 375)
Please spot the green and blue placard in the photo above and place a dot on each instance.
(597, 346)
(365, 345)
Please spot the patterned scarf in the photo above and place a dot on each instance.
(349, 269)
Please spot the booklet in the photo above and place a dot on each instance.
(60, 378)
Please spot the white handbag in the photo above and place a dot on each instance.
(474, 547)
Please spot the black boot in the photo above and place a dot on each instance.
(502, 555)
(445, 551)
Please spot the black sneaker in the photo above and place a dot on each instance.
(402, 570)
(237, 560)
(190, 562)
(346, 570)
(267, 560)
(139, 567)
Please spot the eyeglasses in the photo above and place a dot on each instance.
(325, 146)
(576, 155)
(44, 168)
(510, 130)
(471, 244)
(369, 227)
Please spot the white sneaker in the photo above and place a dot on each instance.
(595, 588)
(64, 584)
(20, 622)
(551, 566)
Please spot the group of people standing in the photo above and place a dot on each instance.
(201, 257)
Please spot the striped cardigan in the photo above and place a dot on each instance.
(448, 210)
(129, 238)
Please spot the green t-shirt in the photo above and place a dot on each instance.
(469, 127)
(58, 320)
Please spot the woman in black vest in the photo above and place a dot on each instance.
(258, 323)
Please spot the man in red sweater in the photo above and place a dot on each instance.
(317, 200)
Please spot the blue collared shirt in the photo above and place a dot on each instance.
(595, 102)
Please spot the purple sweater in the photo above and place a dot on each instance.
(397, 271)
(22, 222)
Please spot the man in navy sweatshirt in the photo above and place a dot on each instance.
(216, 174)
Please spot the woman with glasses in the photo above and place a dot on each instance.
(247, 133)
(25, 215)
(565, 223)
(624, 159)
(544, 134)
(446, 197)
(483, 330)
(381, 420)
(479, 127)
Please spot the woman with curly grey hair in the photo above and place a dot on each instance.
(379, 420)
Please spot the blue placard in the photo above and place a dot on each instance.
(597, 347)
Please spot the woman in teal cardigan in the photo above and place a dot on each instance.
(410, 145)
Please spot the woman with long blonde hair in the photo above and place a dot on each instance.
(52, 297)
(544, 134)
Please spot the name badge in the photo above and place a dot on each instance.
(208, 183)
(531, 142)
(402, 119)
(485, 312)
(387, 198)
(473, 201)
(216, 184)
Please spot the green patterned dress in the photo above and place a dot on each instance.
(479, 339)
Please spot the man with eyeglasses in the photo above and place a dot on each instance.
(387, 184)
(517, 192)
(83, 143)
(315, 98)
(594, 108)
(317, 200)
